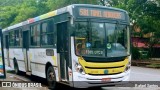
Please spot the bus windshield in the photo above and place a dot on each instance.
(101, 39)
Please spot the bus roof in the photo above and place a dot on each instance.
(57, 12)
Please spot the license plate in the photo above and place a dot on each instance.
(106, 79)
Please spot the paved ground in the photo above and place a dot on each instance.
(144, 74)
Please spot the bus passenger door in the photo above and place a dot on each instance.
(25, 50)
(62, 49)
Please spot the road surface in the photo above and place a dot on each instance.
(144, 74)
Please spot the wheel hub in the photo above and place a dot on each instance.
(51, 76)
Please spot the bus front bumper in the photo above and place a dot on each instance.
(85, 81)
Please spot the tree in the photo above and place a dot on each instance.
(149, 23)
(55, 4)
(7, 15)
(15, 13)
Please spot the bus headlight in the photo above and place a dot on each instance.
(79, 68)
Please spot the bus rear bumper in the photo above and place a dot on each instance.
(85, 81)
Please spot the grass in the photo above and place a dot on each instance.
(10, 71)
(147, 63)
(153, 66)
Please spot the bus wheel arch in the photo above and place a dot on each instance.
(16, 68)
(50, 76)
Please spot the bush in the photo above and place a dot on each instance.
(144, 54)
(135, 53)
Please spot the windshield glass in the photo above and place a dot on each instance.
(101, 39)
(116, 40)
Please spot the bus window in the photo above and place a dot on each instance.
(80, 44)
(93, 38)
(35, 35)
(108, 39)
(5, 41)
(11, 38)
(47, 33)
(98, 35)
(18, 38)
(116, 40)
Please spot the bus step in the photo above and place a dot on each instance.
(28, 73)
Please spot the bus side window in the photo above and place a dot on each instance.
(18, 37)
(47, 34)
(11, 38)
(35, 35)
(5, 41)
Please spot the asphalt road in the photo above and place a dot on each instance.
(144, 74)
(137, 74)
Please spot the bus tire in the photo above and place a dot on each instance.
(51, 78)
(16, 68)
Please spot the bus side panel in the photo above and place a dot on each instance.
(39, 59)
(11, 58)
(18, 55)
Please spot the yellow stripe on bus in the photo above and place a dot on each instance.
(30, 56)
(54, 60)
(93, 66)
(102, 71)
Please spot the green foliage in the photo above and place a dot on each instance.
(55, 4)
(153, 66)
(7, 15)
(135, 53)
(15, 11)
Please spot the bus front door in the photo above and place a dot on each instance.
(25, 50)
(62, 49)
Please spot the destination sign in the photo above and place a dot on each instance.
(93, 52)
(102, 13)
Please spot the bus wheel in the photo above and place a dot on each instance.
(16, 69)
(51, 78)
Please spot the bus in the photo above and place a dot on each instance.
(81, 45)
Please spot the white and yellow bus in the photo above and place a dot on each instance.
(80, 45)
